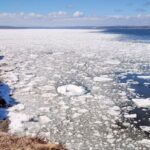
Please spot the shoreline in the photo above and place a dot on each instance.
(14, 142)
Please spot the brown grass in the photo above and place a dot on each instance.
(4, 125)
(10, 142)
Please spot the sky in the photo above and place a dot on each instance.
(47, 13)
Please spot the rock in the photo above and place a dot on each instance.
(2, 102)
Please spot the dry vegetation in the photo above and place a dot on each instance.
(12, 142)
(8, 142)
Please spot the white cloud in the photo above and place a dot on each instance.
(78, 14)
(57, 14)
(61, 18)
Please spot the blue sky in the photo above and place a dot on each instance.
(74, 12)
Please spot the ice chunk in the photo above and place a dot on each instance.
(145, 142)
(130, 116)
(18, 107)
(76, 115)
(17, 120)
(103, 78)
(112, 62)
(142, 102)
(44, 119)
(72, 90)
(145, 128)
(44, 109)
(144, 77)
(115, 111)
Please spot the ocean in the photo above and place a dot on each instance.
(136, 34)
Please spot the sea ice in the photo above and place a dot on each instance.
(145, 142)
(44, 119)
(103, 78)
(112, 62)
(130, 116)
(142, 102)
(71, 90)
(79, 56)
(144, 77)
(145, 128)
(17, 125)
(18, 107)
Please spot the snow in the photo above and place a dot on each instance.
(142, 102)
(71, 90)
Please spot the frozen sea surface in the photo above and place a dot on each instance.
(66, 88)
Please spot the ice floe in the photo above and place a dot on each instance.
(17, 107)
(130, 116)
(112, 62)
(142, 102)
(145, 142)
(44, 119)
(145, 128)
(17, 123)
(72, 90)
(103, 78)
(144, 77)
